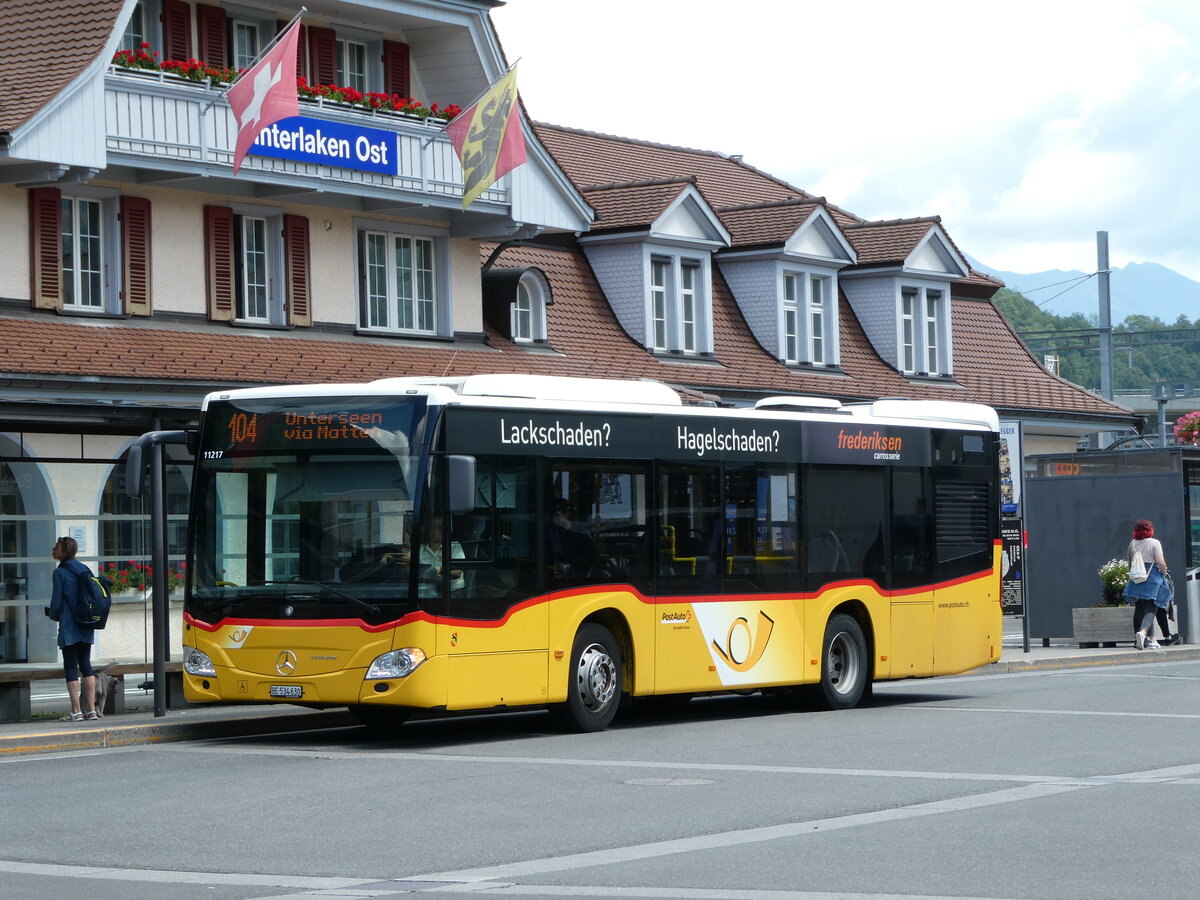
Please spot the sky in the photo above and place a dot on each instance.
(1027, 126)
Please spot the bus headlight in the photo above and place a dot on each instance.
(396, 664)
(197, 663)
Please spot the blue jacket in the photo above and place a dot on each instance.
(63, 599)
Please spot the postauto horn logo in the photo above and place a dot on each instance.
(756, 642)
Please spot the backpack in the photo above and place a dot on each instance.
(95, 599)
(1137, 569)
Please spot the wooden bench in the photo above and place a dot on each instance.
(16, 695)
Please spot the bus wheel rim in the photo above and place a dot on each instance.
(843, 663)
(596, 678)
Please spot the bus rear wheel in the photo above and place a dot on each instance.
(845, 668)
(594, 681)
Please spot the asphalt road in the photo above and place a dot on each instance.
(1060, 784)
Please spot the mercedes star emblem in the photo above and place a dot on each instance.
(285, 663)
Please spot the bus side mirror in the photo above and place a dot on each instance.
(461, 483)
(138, 460)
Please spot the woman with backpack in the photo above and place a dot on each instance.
(1148, 586)
(75, 640)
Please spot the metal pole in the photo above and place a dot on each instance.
(158, 603)
(1106, 360)
(1106, 363)
(1161, 397)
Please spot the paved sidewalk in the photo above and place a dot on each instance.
(204, 722)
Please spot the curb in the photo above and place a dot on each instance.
(1124, 657)
(108, 736)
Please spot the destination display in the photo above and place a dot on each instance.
(249, 427)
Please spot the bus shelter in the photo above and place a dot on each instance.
(1079, 513)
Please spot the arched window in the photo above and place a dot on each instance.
(124, 526)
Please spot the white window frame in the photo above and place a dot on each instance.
(406, 305)
(103, 291)
(678, 302)
(359, 80)
(923, 329)
(135, 29)
(527, 322)
(238, 59)
(272, 266)
(808, 319)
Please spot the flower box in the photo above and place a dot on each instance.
(1096, 626)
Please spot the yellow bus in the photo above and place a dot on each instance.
(509, 541)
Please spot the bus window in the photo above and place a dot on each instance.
(496, 539)
(844, 516)
(911, 528)
(760, 515)
(596, 525)
(690, 535)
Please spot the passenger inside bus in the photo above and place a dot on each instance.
(572, 554)
(432, 557)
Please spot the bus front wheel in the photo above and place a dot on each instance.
(593, 682)
(844, 664)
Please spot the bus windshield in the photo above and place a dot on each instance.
(304, 508)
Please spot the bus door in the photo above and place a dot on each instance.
(492, 623)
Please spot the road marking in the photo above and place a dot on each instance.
(737, 837)
(303, 882)
(1025, 711)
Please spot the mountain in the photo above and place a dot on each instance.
(1146, 289)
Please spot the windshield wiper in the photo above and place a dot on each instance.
(360, 603)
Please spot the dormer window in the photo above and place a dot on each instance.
(922, 336)
(678, 305)
(529, 308)
(808, 320)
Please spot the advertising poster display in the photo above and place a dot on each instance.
(1010, 467)
(1012, 567)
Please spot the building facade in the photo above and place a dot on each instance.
(142, 273)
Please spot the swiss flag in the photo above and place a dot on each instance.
(265, 93)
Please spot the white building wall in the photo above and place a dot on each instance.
(465, 291)
(620, 269)
(14, 237)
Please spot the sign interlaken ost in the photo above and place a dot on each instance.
(325, 143)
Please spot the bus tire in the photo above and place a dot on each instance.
(845, 668)
(594, 681)
(380, 719)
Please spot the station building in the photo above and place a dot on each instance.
(141, 273)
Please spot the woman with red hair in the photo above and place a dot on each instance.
(1147, 595)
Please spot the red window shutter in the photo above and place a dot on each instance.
(45, 247)
(177, 30)
(210, 28)
(135, 253)
(301, 42)
(220, 272)
(296, 261)
(395, 68)
(322, 55)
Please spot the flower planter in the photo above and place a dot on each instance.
(1106, 626)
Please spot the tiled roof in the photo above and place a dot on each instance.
(594, 159)
(888, 242)
(44, 44)
(991, 365)
(767, 223)
(632, 204)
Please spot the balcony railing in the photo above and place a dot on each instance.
(159, 121)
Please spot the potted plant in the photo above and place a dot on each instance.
(1187, 429)
(1109, 621)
